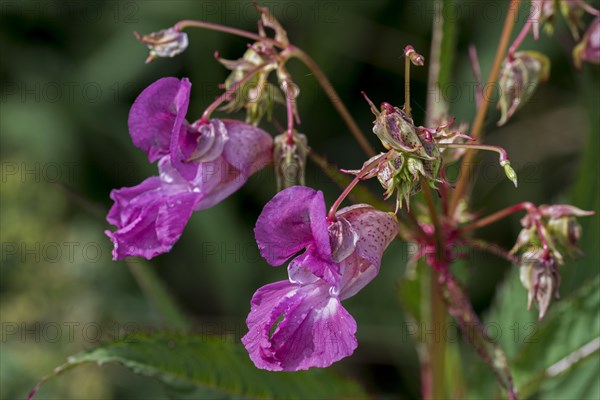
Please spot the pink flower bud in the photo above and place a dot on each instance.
(589, 47)
(166, 43)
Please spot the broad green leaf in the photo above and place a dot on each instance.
(515, 325)
(563, 341)
(411, 290)
(209, 367)
(568, 335)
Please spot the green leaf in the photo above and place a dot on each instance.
(209, 367)
(568, 335)
(411, 290)
(448, 46)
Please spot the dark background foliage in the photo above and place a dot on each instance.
(70, 71)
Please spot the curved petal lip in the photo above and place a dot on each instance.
(315, 331)
(154, 113)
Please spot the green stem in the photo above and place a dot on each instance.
(292, 51)
(158, 295)
(434, 385)
(437, 346)
(501, 152)
(407, 109)
(375, 164)
(477, 130)
(188, 23)
(335, 100)
(231, 91)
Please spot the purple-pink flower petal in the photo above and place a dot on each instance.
(291, 221)
(249, 148)
(184, 138)
(155, 113)
(315, 331)
(211, 142)
(312, 262)
(149, 217)
(375, 230)
(563, 210)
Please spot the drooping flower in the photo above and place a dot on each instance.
(549, 231)
(165, 43)
(589, 47)
(199, 165)
(340, 258)
(547, 12)
(541, 277)
(520, 76)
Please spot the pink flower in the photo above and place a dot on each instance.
(340, 258)
(199, 165)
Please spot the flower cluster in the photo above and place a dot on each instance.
(549, 231)
(341, 256)
(199, 165)
(300, 323)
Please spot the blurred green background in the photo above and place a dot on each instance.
(70, 70)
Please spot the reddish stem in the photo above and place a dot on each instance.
(378, 161)
(531, 209)
(477, 127)
(588, 8)
(501, 152)
(225, 96)
(227, 29)
(289, 102)
(480, 223)
(522, 35)
(477, 74)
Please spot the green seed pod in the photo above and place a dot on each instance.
(256, 95)
(518, 80)
(541, 279)
(290, 160)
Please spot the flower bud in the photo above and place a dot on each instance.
(165, 43)
(413, 56)
(541, 279)
(518, 80)
(290, 160)
(397, 131)
(545, 12)
(589, 47)
(509, 171)
(573, 14)
(527, 237)
(562, 226)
